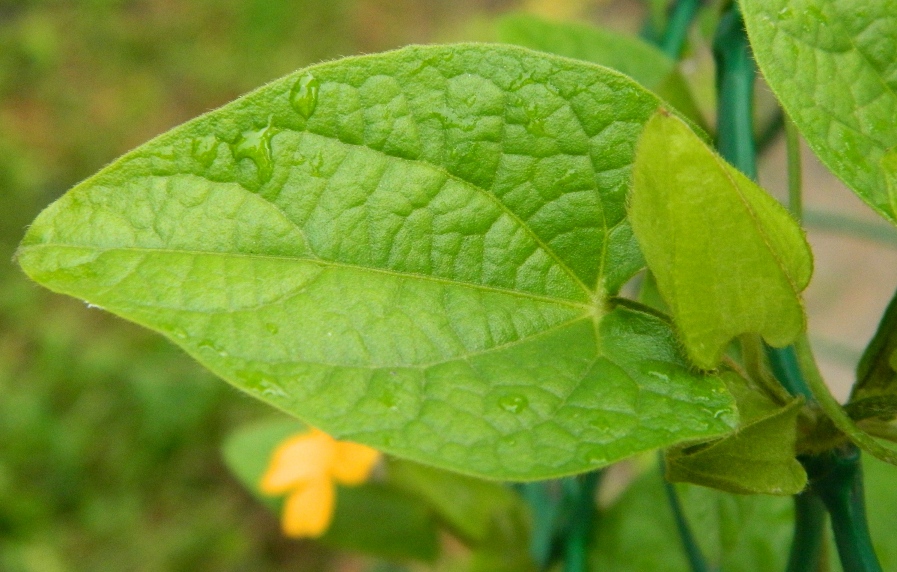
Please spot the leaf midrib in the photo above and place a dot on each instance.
(589, 308)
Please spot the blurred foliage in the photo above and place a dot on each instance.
(109, 436)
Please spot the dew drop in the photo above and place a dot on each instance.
(272, 327)
(513, 403)
(205, 149)
(208, 345)
(256, 145)
(179, 333)
(270, 388)
(304, 95)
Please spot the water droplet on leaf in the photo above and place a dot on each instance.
(256, 145)
(208, 345)
(513, 403)
(272, 327)
(205, 149)
(304, 95)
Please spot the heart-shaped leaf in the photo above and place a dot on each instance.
(411, 250)
(728, 259)
(831, 63)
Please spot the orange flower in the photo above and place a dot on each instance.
(306, 467)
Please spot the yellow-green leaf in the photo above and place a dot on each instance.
(728, 259)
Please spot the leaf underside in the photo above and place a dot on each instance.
(831, 63)
(411, 250)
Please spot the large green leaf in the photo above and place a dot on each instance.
(636, 58)
(728, 259)
(374, 518)
(832, 65)
(411, 250)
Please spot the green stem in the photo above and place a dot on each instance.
(544, 502)
(837, 478)
(682, 14)
(581, 497)
(692, 551)
(795, 176)
(735, 89)
(833, 409)
(809, 525)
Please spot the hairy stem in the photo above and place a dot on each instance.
(833, 409)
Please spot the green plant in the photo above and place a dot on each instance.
(424, 251)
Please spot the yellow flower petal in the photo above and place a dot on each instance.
(352, 463)
(298, 460)
(308, 512)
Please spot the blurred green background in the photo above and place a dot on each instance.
(109, 436)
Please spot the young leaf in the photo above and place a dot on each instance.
(638, 59)
(759, 458)
(832, 65)
(376, 519)
(410, 250)
(728, 259)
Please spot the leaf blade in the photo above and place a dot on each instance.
(830, 65)
(338, 261)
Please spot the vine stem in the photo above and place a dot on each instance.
(581, 494)
(795, 173)
(681, 15)
(809, 525)
(693, 552)
(836, 477)
(833, 409)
